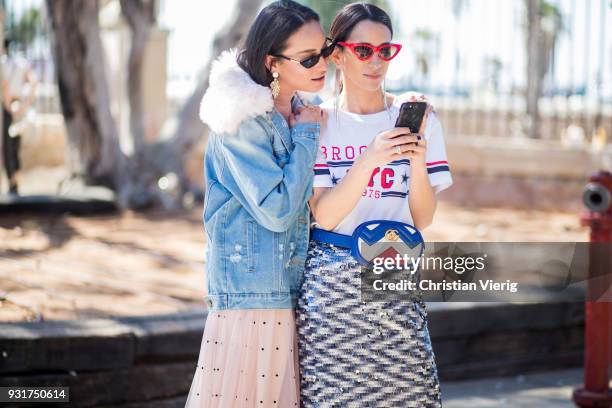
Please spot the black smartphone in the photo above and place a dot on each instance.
(411, 115)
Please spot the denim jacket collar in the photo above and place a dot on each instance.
(280, 126)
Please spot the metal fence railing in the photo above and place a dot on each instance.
(471, 57)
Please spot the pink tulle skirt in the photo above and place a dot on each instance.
(248, 358)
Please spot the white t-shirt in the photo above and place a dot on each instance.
(386, 197)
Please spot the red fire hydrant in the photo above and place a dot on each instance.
(596, 391)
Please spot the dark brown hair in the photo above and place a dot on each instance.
(352, 14)
(268, 35)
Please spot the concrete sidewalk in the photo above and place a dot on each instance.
(540, 390)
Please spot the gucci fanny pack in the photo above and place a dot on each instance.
(376, 239)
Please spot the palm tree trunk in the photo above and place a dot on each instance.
(1, 86)
(84, 96)
(534, 62)
(83, 90)
(140, 17)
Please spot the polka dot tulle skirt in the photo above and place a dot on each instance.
(248, 358)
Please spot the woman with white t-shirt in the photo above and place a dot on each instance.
(355, 353)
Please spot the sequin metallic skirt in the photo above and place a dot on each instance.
(356, 354)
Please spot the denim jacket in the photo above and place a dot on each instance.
(258, 182)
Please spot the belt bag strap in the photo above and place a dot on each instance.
(332, 238)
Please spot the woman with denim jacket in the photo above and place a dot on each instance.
(258, 165)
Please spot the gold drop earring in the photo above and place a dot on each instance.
(275, 85)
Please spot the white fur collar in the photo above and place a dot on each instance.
(232, 96)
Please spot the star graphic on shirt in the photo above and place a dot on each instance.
(334, 179)
(404, 178)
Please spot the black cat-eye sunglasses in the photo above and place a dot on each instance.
(313, 60)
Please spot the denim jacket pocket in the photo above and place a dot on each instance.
(252, 249)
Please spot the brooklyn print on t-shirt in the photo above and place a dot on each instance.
(347, 135)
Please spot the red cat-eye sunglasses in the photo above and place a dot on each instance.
(365, 51)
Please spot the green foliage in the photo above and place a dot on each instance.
(551, 17)
(426, 46)
(25, 29)
(424, 35)
(327, 9)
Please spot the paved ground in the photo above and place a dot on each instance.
(79, 267)
(551, 389)
(65, 267)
